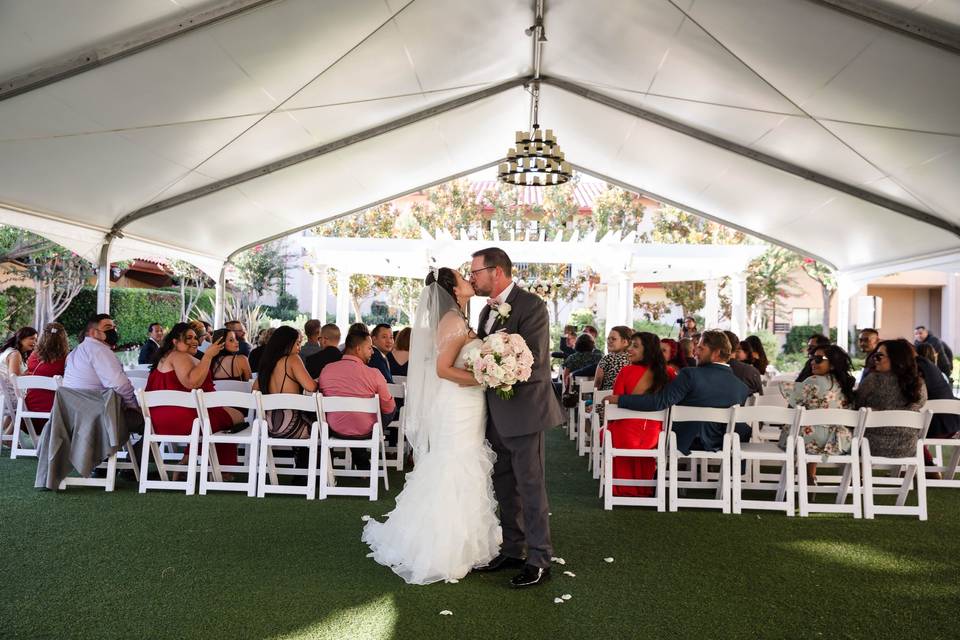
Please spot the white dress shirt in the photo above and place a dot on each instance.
(93, 365)
(493, 312)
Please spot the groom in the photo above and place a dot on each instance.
(515, 427)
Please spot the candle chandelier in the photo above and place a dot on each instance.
(535, 160)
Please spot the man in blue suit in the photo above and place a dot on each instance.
(710, 384)
(382, 336)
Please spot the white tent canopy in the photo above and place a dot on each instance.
(196, 129)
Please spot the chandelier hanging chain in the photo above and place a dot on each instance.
(536, 159)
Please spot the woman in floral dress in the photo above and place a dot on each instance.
(830, 387)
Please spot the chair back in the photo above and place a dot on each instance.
(341, 404)
(681, 413)
(586, 386)
(139, 383)
(48, 383)
(768, 400)
(233, 385)
(238, 399)
(137, 367)
(138, 373)
(165, 398)
(943, 406)
(898, 418)
(293, 401)
(757, 415)
(399, 379)
(839, 417)
(397, 390)
(613, 412)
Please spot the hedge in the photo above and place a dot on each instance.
(134, 310)
(798, 336)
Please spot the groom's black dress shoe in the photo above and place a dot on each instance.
(530, 576)
(501, 562)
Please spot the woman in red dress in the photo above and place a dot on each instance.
(175, 368)
(647, 373)
(48, 359)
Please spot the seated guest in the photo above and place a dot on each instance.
(671, 353)
(591, 331)
(382, 336)
(616, 359)
(584, 355)
(241, 332)
(176, 368)
(311, 329)
(942, 425)
(567, 340)
(830, 386)
(688, 329)
(710, 384)
(282, 371)
(814, 342)
(400, 355)
(229, 364)
(944, 354)
(154, 338)
(647, 373)
(688, 349)
(262, 339)
(895, 383)
(759, 355)
(329, 351)
(48, 359)
(746, 373)
(203, 338)
(743, 353)
(352, 377)
(13, 363)
(93, 366)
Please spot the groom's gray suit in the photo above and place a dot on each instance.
(515, 430)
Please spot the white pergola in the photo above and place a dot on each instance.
(198, 128)
(620, 262)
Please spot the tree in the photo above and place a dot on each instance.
(827, 281)
(769, 279)
(551, 282)
(188, 277)
(404, 293)
(261, 270)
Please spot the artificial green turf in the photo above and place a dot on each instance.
(87, 564)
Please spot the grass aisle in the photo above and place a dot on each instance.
(85, 564)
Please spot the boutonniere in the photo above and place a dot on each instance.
(503, 310)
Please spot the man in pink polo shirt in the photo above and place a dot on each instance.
(352, 378)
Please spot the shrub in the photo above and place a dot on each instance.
(286, 309)
(132, 309)
(659, 328)
(798, 336)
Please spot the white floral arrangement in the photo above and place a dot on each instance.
(501, 361)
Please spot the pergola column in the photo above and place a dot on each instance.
(319, 292)
(343, 301)
(844, 293)
(711, 307)
(220, 298)
(738, 303)
(626, 301)
(103, 277)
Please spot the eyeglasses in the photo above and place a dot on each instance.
(818, 359)
(474, 272)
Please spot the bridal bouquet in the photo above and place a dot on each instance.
(501, 361)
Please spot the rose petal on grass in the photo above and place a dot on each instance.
(566, 596)
(558, 601)
(608, 559)
(453, 581)
(570, 573)
(364, 518)
(558, 560)
(446, 612)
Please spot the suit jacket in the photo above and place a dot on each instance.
(748, 374)
(147, 350)
(534, 406)
(712, 385)
(322, 358)
(942, 424)
(378, 361)
(944, 361)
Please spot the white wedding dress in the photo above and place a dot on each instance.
(445, 520)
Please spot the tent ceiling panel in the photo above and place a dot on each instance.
(34, 33)
(942, 12)
(84, 241)
(345, 180)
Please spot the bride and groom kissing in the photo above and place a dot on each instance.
(473, 450)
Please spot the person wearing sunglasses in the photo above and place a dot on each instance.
(829, 386)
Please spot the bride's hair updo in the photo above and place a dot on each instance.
(445, 277)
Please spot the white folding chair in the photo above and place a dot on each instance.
(266, 465)
(399, 379)
(593, 445)
(912, 466)
(152, 442)
(395, 454)
(240, 386)
(139, 383)
(936, 446)
(848, 483)
(8, 406)
(328, 442)
(572, 411)
(721, 485)
(133, 374)
(583, 418)
(22, 420)
(774, 399)
(608, 481)
(248, 437)
(137, 367)
(758, 451)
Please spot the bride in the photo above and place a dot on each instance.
(445, 522)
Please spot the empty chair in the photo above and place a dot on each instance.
(267, 471)
(848, 483)
(948, 468)
(245, 435)
(152, 442)
(585, 398)
(609, 481)
(721, 485)
(593, 445)
(912, 466)
(760, 451)
(373, 443)
(23, 418)
(395, 453)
